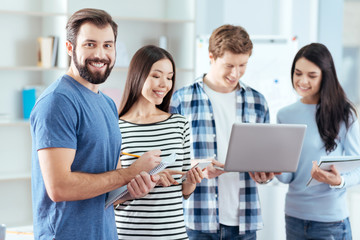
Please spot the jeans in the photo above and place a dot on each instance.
(225, 233)
(298, 229)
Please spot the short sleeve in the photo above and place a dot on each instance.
(54, 122)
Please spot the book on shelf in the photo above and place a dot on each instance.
(29, 97)
(47, 51)
(55, 48)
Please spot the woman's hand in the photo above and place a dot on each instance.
(331, 177)
(194, 176)
(166, 178)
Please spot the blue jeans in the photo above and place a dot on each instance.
(225, 233)
(298, 229)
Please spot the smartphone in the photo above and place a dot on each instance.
(219, 168)
(202, 165)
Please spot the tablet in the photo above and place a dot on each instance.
(342, 163)
(264, 147)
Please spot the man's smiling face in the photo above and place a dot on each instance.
(94, 53)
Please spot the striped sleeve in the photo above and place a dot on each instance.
(187, 155)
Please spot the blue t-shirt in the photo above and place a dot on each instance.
(69, 115)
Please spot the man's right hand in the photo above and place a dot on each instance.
(147, 161)
(141, 185)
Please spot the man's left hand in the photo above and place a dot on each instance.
(263, 177)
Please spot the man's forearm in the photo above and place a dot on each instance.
(79, 186)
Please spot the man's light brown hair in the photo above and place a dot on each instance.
(229, 38)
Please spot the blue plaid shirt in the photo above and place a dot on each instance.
(201, 209)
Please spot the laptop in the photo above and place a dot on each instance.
(264, 147)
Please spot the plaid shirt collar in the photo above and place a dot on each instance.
(241, 86)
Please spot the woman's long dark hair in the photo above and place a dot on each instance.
(333, 107)
(139, 70)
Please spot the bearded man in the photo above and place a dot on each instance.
(76, 140)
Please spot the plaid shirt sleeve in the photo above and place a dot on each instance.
(201, 209)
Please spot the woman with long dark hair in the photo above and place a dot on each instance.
(146, 124)
(319, 211)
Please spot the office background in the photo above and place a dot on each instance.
(175, 25)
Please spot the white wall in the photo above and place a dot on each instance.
(351, 51)
(273, 17)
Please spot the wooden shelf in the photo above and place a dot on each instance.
(20, 232)
(34, 14)
(116, 18)
(154, 20)
(31, 68)
(14, 176)
(14, 122)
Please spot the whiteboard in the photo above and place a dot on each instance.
(268, 69)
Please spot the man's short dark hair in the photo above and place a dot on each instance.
(98, 17)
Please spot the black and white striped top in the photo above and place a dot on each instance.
(158, 215)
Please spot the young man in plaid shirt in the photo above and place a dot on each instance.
(225, 205)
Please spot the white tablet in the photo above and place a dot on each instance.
(342, 163)
(263, 147)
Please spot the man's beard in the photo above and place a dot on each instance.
(85, 73)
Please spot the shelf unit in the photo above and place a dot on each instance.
(29, 13)
(25, 21)
(9, 123)
(15, 176)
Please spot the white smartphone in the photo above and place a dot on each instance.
(219, 168)
(202, 165)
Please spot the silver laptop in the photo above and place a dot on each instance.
(262, 147)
